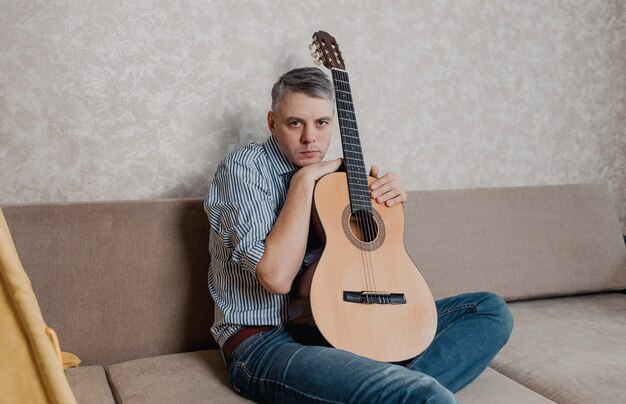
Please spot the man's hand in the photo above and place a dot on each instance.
(388, 189)
(314, 172)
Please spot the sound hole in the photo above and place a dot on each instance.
(363, 226)
(363, 236)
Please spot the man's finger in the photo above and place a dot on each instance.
(398, 199)
(374, 171)
(385, 179)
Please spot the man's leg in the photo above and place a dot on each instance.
(273, 367)
(471, 330)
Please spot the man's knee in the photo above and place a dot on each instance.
(423, 389)
(408, 386)
(495, 306)
(435, 393)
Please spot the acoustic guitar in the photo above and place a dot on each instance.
(367, 296)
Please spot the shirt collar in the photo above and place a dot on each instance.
(278, 161)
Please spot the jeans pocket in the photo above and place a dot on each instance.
(247, 346)
(239, 370)
(239, 353)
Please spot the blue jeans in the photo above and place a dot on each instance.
(278, 366)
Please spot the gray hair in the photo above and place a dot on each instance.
(307, 80)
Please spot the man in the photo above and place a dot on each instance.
(259, 208)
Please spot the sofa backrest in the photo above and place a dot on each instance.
(123, 280)
(118, 280)
(520, 242)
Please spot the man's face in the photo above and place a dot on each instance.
(302, 127)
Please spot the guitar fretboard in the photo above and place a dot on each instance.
(352, 153)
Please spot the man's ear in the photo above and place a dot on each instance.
(271, 122)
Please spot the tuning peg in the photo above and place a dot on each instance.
(311, 46)
(314, 55)
(316, 62)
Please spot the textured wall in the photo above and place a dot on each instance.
(126, 100)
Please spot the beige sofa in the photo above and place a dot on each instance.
(125, 286)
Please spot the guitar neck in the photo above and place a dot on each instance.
(351, 144)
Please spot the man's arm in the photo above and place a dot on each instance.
(285, 245)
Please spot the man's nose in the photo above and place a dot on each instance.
(308, 135)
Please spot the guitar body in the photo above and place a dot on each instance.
(395, 318)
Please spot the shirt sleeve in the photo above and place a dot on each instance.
(240, 212)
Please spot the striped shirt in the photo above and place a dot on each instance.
(244, 200)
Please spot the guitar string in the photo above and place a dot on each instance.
(367, 236)
(366, 264)
(363, 222)
(371, 231)
(366, 222)
(374, 231)
(363, 267)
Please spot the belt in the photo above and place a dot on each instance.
(246, 332)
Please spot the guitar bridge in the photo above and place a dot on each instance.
(374, 297)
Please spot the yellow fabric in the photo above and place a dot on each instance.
(30, 371)
(70, 360)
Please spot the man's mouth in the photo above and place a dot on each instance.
(309, 152)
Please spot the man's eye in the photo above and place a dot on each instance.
(322, 123)
(294, 124)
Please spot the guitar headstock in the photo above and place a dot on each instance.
(326, 51)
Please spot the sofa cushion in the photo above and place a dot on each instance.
(90, 385)
(493, 387)
(192, 377)
(200, 377)
(522, 242)
(570, 350)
